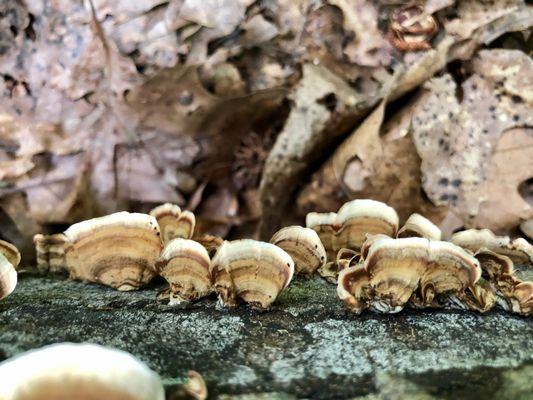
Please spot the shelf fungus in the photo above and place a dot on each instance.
(8, 277)
(419, 226)
(304, 247)
(173, 222)
(512, 288)
(210, 242)
(519, 250)
(415, 271)
(9, 261)
(10, 252)
(50, 251)
(349, 227)
(253, 271)
(185, 264)
(78, 371)
(345, 258)
(118, 250)
(449, 272)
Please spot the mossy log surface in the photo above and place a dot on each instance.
(306, 346)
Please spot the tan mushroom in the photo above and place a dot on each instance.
(304, 247)
(354, 221)
(78, 371)
(519, 250)
(523, 292)
(253, 271)
(353, 288)
(325, 225)
(449, 272)
(173, 222)
(10, 252)
(50, 251)
(394, 267)
(419, 226)
(118, 250)
(8, 277)
(184, 264)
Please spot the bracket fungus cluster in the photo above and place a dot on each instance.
(394, 272)
(78, 371)
(349, 227)
(9, 261)
(253, 271)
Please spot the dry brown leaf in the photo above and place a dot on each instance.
(456, 139)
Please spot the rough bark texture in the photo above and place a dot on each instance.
(306, 346)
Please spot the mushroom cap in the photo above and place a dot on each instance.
(358, 218)
(352, 287)
(395, 267)
(210, 242)
(118, 250)
(184, 264)
(419, 226)
(304, 247)
(494, 265)
(50, 251)
(8, 277)
(519, 250)
(254, 271)
(10, 252)
(173, 222)
(345, 258)
(325, 225)
(449, 270)
(523, 292)
(78, 371)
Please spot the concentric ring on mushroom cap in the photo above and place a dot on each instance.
(255, 271)
(78, 371)
(303, 245)
(185, 264)
(10, 252)
(118, 250)
(8, 278)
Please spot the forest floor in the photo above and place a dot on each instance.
(307, 345)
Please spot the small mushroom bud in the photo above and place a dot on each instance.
(50, 251)
(350, 226)
(353, 288)
(10, 252)
(185, 266)
(519, 250)
(345, 258)
(8, 277)
(78, 371)
(304, 247)
(410, 29)
(173, 222)
(118, 250)
(253, 271)
(419, 226)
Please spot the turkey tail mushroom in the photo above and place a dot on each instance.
(8, 277)
(253, 271)
(10, 252)
(118, 250)
(173, 222)
(78, 371)
(349, 227)
(419, 226)
(304, 247)
(50, 251)
(185, 266)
